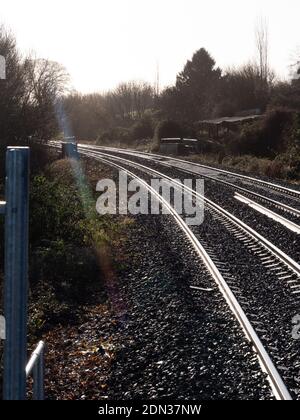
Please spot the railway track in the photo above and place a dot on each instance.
(293, 265)
(277, 187)
(292, 196)
(261, 284)
(270, 258)
(275, 220)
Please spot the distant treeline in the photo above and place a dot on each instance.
(202, 91)
(35, 101)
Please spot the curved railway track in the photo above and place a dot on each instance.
(292, 195)
(267, 252)
(277, 187)
(291, 265)
(277, 272)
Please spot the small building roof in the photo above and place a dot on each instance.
(222, 120)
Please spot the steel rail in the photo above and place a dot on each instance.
(278, 387)
(284, 207)
(271, 185)
(269, 213)
(288, 261)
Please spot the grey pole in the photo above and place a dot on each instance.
(16, 267)
(38, 384)
(69, 150)
(36, 367)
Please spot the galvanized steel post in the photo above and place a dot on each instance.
(35, 366)
(38, 384)
(16, 268)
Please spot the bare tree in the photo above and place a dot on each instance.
(295, 64)
(46, 82)
(262, 45)
(28, 94)
(130, 100)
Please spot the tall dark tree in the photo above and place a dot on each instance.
(198, 84)
(172, 103)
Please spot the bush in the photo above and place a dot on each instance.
(116, 134)
(263, 138)
(66, 237)
(290, 162)
(275, 170)
(273, 127)
(55, 211)
(168, 128)
(248, 141)
(208, 146)
(61, 237)
(142, 129)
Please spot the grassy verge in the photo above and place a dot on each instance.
(278, 168)
(271, 168)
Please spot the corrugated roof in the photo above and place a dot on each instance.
(222, 120)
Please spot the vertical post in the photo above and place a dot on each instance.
(16, 267)
(38, 377)
(69, 148)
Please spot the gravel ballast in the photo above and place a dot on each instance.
(178, 343)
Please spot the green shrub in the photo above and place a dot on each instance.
(66, 237)
(61, 238)
(273, 126)
(55, 211)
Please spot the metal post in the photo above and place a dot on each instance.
(35, 366)
(16, 267)
(2, 207)
(69, 148)
(38, 378)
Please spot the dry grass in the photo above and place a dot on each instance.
(247, 164)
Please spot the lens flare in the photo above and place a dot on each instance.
(101, 248)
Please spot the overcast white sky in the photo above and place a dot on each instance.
(104, 42)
